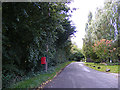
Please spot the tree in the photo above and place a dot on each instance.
(76, 53)
(103, 49)
(87, 41)
(33, 30)
(105, 26)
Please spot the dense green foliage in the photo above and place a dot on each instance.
(40, 78)
(76, 53)
(105, 26)
(30, 31)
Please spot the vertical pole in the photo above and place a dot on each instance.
(46, 60)
(46, 65)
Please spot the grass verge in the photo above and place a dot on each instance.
(38, 80)
(113, 68)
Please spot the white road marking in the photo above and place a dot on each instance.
(84, 68)
(80, 64)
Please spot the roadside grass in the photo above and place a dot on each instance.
(39, 79)
(113, 68)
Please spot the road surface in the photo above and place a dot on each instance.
(77, 75)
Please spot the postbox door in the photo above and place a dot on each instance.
(43, 60)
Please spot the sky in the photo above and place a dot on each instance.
(80, 17)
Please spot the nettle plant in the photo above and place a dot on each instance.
(103, 49)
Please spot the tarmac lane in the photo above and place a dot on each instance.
(77, 75)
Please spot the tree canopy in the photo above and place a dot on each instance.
(33, 30)
(105, 26)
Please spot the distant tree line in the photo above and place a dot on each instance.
(76, 53)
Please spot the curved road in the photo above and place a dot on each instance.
(77, 75)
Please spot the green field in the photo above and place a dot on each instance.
(113, 68)
(40, 79)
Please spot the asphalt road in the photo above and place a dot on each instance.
(77, 75)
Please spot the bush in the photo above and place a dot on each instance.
(78, 56)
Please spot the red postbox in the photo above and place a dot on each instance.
(43, 60)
